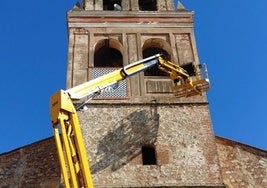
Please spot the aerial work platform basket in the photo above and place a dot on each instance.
(196, 84)
(189, 79)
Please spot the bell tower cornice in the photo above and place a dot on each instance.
(129, 19)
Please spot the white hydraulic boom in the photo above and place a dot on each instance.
(69, 141)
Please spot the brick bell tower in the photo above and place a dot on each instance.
(140, 135)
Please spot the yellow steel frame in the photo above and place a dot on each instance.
(69, 141)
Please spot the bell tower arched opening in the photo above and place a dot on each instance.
(147, 5)
(109, 4)
(152, 47)
(108, 53)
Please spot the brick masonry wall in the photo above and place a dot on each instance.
(182, 136)
(34, 165)
(241, 165)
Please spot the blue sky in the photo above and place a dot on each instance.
(231, 39)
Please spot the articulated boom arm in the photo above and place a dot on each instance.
(102, 82)
(68, 136)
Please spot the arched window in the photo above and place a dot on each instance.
(108, 53)
(107, 58)
(154, 71)
(152, 47)
(149, 155)
(111, 4)
(147, 5)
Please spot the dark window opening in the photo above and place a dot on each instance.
(107, 56)
(150, 5)
(190, 69)
(109, 4)
(154, 71)
(149, 155)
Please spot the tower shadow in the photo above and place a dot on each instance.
(121, 145)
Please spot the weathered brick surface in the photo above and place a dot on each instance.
(242, 165)
(181, 134)
(35, 165)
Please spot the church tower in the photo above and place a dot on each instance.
(140, 135)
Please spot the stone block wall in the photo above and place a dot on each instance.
(181, 134)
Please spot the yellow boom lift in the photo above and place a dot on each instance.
(188, 80)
